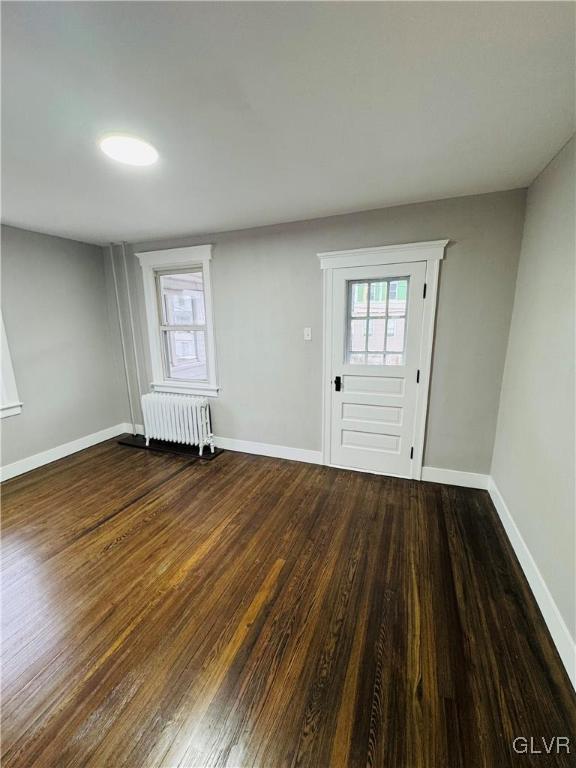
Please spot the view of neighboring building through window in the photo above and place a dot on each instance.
(376, 321)
(183, 325)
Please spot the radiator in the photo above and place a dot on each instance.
(177, 418)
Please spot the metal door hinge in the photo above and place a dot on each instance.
(424, 292)
(337, 383)
(412, 452)
(418, 376)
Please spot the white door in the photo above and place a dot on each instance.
(377, 315)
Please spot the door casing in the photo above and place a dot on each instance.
(431, 252)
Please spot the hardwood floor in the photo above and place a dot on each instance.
(257, 612)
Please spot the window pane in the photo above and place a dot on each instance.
(358, 299)
(185, 354)
(357, 340)
(395, 335)
(397, 297)
(379, 339)
(378, 298)
(376, 331)
(183, 298)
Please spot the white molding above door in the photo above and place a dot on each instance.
(431, 252)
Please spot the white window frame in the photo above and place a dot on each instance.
(193, 257)
(10, 404)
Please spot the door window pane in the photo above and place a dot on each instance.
(359, 299)
(398, 297)
(378, 292)
(185, 355)
(376, 335)
(376, 322)
(395, 335)
(357, 335)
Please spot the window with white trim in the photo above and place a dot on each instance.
(10, 404)
(177, 291)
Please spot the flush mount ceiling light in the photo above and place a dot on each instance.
(129, 150)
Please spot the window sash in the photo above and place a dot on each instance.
(164, 327)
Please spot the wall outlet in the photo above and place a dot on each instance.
(307, 334)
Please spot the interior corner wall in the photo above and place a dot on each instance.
(268, 287)
(534, 458)
(63, 342)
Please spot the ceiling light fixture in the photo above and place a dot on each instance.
(129, 150)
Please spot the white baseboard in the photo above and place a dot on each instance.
(267, 449)
(560, 633)
(455, 477)
(60, 451)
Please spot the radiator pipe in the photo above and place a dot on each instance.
(131, 315)
(120, 324)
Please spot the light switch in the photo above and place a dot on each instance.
(307, 334)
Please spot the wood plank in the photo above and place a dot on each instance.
(250, 611)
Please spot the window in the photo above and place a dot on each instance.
(183, 324)
(179, 313)
(376, 321)
(10, 404)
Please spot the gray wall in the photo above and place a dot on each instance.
(534, 458)
(63, 340)
(267, 288)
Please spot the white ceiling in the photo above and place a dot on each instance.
(271, 112)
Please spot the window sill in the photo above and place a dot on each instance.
(12, 409)
(182, 388)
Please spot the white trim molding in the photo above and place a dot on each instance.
(175, 257)
(151, 262)
(10, 409)
(61, 451)
(431, 252)
(563, 640)
(186, 388)
(268, 449)
(455, 477)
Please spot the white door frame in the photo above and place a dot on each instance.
(431, 252)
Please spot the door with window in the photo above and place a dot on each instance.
(377, 316)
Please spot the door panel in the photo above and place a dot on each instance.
(375, 414)
(373, 385)
(376, 342)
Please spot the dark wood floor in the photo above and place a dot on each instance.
(257, 612)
